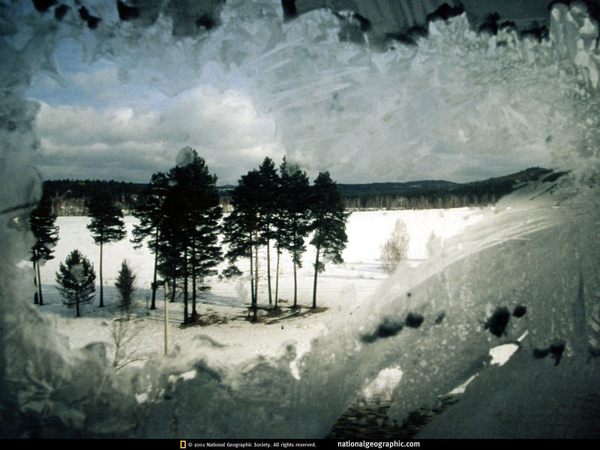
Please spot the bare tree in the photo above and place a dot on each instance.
(124, 335)
(432, 244)
(395, 248)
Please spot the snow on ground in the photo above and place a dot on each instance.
(536, 248)
(341, 287)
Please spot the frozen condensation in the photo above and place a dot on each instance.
(456, 91)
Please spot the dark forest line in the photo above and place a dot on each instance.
(69, 196)
(440, 194)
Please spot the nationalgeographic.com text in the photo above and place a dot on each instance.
(383, 444)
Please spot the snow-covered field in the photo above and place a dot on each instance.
(340, 287)
(536, 249)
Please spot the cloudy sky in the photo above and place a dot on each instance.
(92, 125)
(259, 87)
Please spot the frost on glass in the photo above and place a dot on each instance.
(526, 273)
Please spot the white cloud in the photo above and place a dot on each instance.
(219, 121)
(83, 125)
(224, 128)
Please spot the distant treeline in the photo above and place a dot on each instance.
(437, 194)
(69, 197)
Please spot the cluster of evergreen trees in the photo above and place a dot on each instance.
(278, 211)
(181, 220)
(179, 215)
(76, 276)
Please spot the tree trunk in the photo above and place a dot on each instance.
(101, 284)
(185, 287)
(174, 289)
(315, 282)
(35, 282)
(269, 271)
(252, 291)
(154, 275)
(251, 276)
(39, 285)
(295, 285)
(255, 317)
(277, 279)
(194, 312)
(256, 271)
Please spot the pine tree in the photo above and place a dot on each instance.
(267, 211)
(169, 255)
(199, 189)
(328, 223)
(241, 230)
(106, 226)
(149, 212)
(174, 244)
(76, 281)
(125, 285)
(206, 254)
(42, 222)
(190, 226)
(294, 225)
